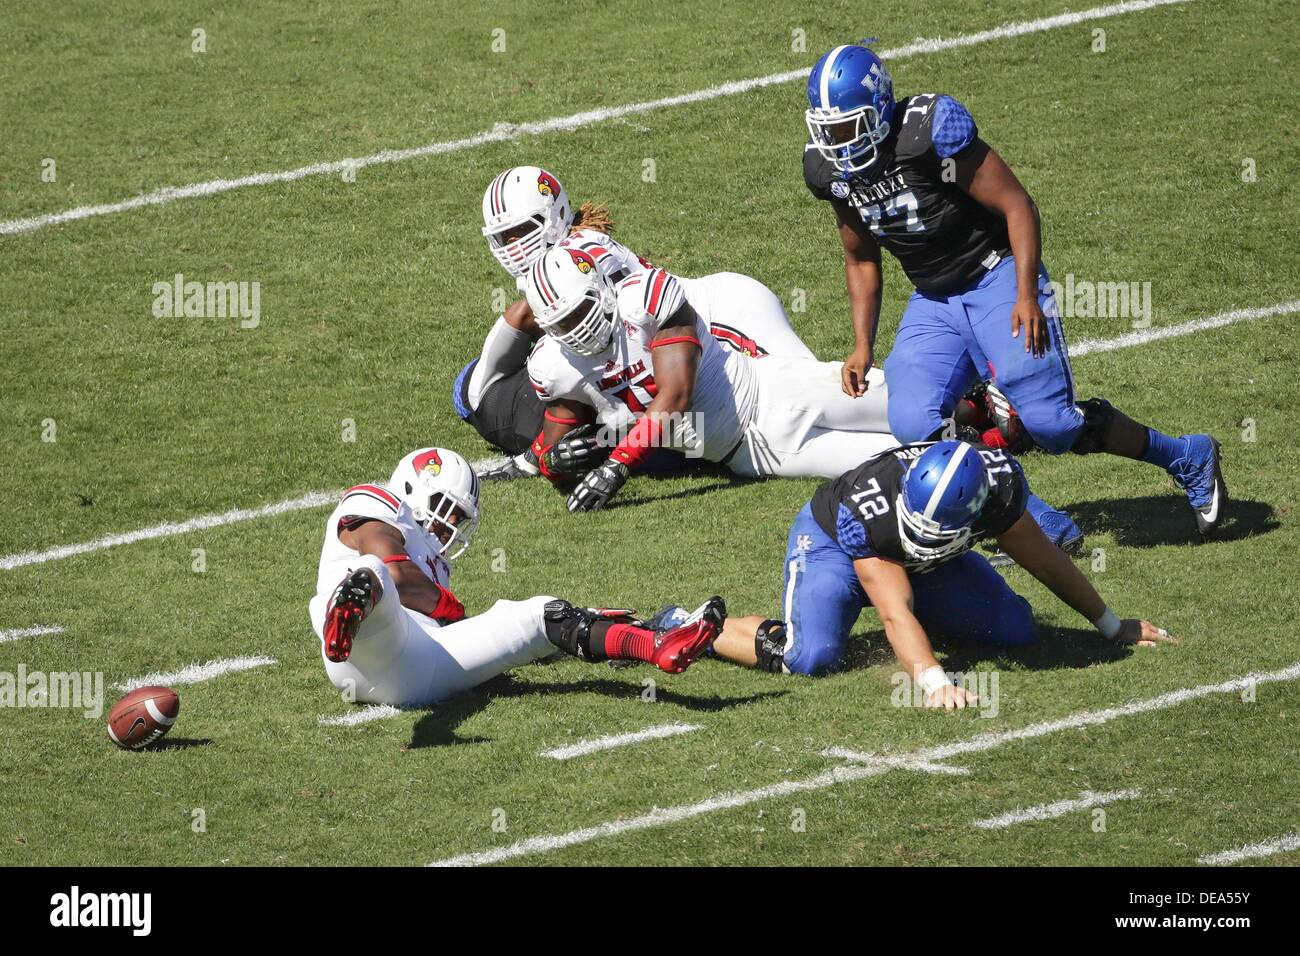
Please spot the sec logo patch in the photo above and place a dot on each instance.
(839, 189)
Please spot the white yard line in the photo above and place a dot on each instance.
(1156, 334)
(319, 498)
(21, 632)
(584, 747)
(868, 765)
(503, 132)
(1050, 811)
(362, 715)
(168, 529)
(195, 673)
(1251, 851)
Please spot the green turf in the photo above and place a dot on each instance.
(375, 292)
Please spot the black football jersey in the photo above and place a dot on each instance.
(909, 199)
(859, 509)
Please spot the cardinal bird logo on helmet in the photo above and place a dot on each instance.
(582, 260)
(547, 184)
(430, 461)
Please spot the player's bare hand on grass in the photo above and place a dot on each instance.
(854, 373)
(951, 697)
(1028, 316)
(1143, 634)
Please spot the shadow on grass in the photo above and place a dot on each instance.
(1057, 648)
(438, 727)
(639, 497)
(180, 743)
(1154, 520)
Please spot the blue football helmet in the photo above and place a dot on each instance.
(943, 493)
(850, 107)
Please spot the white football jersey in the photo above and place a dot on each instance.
(378, 503)
(619, 383)
(614, 261)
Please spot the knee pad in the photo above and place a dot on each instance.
(569, 627)
(769, 646)
(1097, 417)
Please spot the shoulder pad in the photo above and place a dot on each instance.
(819, 175)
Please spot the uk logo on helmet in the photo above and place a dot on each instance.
(430, 461)
(547, 184)
(582, 260)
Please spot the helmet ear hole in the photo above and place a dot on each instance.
(409, 489)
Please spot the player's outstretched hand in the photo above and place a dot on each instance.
(951, 697)
(1143, 633)
(854, 373)
(1028, 316)
(599, 485)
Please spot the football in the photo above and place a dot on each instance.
(143, 716)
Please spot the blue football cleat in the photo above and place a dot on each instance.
(1199, 474)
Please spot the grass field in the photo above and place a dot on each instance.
(375, 292)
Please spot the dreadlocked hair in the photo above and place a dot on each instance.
(593, 216)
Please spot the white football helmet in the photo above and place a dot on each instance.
(571, 301)
(529, 197)
(434, 482)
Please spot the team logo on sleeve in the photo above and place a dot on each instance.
(430, 461)
(547, 184)
(582, 260)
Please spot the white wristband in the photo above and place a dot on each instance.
(931, 679)
(1108, 624)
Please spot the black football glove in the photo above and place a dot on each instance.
(579, 451)
(599, 485)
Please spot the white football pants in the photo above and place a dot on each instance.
(806, 426)
(751, 308)
(403, 658)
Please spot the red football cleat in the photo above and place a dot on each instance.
(676, 648)
(352, 601)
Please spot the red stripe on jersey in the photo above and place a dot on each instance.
(656, 292)
(374, 491)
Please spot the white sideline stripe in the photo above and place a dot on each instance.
(1144, 336)
(318, 498)
(869, 765)
(360, 716)
(584, 747)
(1251, 851)
(195, 673)
(503, 132)
(169, 528)
(1050, 811)
(20, 632)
